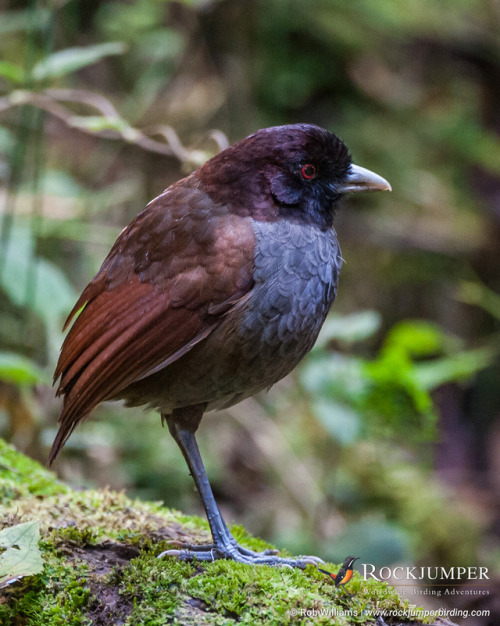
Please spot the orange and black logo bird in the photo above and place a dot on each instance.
(344, 575)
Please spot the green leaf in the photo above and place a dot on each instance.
(26, 20)
(479, 295)
(394, 393)
(21, 556)
(34, 282)
(62, 184)
(349, 328)
(333, 375)
(12, 72)
(415, 338)
(19, 370)
(70, 60)
(458, 367)
(340, 421)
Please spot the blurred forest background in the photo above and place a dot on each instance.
(386, 440)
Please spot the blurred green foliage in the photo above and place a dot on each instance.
(104, 103)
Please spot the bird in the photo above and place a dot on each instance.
(214, 292)
(344, 575)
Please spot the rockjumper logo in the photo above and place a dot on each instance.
(344, 575)
(424, 573)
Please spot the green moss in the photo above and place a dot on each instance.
(100, 551)
(155, 585)
(22, 477)
(57, 597)
(255, 595)
(73, 534)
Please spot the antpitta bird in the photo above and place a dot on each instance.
(214, 292)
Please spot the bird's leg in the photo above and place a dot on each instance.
(182, 424)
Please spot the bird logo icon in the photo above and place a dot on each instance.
(344, 575)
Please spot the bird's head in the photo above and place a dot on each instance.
(349, 561)
(298, 171)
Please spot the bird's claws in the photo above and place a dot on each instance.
(238, 553)
(176, 553)
(313, 560)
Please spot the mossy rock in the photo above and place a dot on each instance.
(100, 567)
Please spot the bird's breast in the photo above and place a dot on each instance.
(296, 274)
(268, 333)
(263, 337)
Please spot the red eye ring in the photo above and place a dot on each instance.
(308, 171)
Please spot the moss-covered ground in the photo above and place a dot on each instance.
(100, 549)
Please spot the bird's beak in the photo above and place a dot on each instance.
(361, 179)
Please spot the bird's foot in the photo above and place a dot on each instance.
(233, 551)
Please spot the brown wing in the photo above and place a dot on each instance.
(165, 285)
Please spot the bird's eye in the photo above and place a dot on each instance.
(308, 171)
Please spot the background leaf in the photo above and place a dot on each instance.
(15, 368)
(12, 72)
(33, 281)
(357, 326)
(70, 60)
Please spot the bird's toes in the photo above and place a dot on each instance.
(194, 553)
(312, 560)
(233, 551)
(172, 552)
